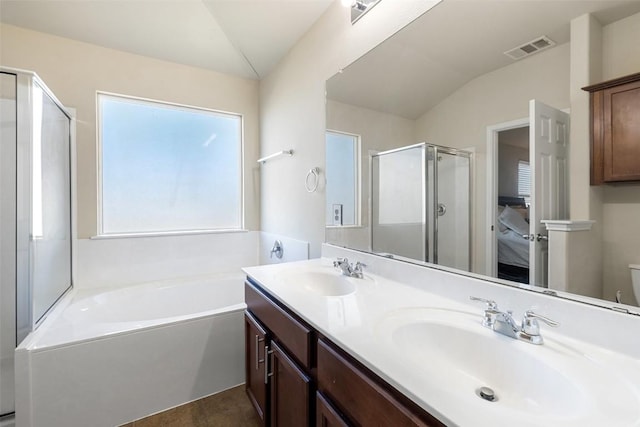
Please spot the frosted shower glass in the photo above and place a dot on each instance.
(398, 203)
(51, 204)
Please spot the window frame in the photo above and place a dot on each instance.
(101, 234)
(357, 211)
(527, 197)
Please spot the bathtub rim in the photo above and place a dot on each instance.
(30, 343)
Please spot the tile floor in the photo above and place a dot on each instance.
(231, 408)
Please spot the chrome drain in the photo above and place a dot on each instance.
(487, 393)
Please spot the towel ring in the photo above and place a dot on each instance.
(312, 186)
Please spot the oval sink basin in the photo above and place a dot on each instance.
(326, 284)
(550, 384)
(322, 281)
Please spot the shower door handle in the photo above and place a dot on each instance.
(442, 209)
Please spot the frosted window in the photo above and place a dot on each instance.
(342, 172)
(168, 168)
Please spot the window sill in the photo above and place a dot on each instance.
(165, 234)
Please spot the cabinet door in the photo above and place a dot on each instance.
(622, 133)
(326, 414)
(290, 391)
(255, 366)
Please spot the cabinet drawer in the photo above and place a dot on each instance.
(291, 333)
(364, 401)
(326, 414)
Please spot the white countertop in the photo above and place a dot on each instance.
(359, 324)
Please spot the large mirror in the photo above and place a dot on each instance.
(454, 117)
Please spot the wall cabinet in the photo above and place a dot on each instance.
(615, 130)
(296, 377)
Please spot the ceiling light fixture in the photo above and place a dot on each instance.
(359, 7)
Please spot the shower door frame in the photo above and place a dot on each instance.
(455, 152)
(21, 177)
(25, 320)
(425, 183)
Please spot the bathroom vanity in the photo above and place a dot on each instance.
(289, 365)
(405, 345)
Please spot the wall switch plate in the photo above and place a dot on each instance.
(337, 214)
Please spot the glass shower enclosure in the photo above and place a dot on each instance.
(35, 213)
(420, 204)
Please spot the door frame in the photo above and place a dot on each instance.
(491, 265)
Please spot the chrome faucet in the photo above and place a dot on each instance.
(503, 322)
(348, 269)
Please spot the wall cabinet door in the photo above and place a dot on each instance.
(290, 391)
(255, 365)
(622, 133)
(615, 130)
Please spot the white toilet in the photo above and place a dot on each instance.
(635, 280)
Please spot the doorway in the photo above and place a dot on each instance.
(537, 191)
(513, 205)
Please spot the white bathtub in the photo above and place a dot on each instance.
(106, 358)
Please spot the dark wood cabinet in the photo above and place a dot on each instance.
(615, 130)
(256, 345)
(286, 364)
(290, 391)
(277, 362)
(363, 398)
(326, 414)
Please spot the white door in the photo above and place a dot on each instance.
(548, 152)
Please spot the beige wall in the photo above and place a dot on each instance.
(621, 205)
(378, 132)
(501, 96)
(74, 71)
(292, 112)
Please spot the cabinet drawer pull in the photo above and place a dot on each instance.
(267, 374)
(258, 360)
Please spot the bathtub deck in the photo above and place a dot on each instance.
(230, 408)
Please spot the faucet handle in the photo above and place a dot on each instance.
(490, 313)
(530, 324)
(340, 261)
(276, 249)
(491, 304)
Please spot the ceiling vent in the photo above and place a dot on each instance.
(536, 45)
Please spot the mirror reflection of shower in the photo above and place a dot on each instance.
(420, 204)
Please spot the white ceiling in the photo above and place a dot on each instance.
(241, 37)
(453, 43)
